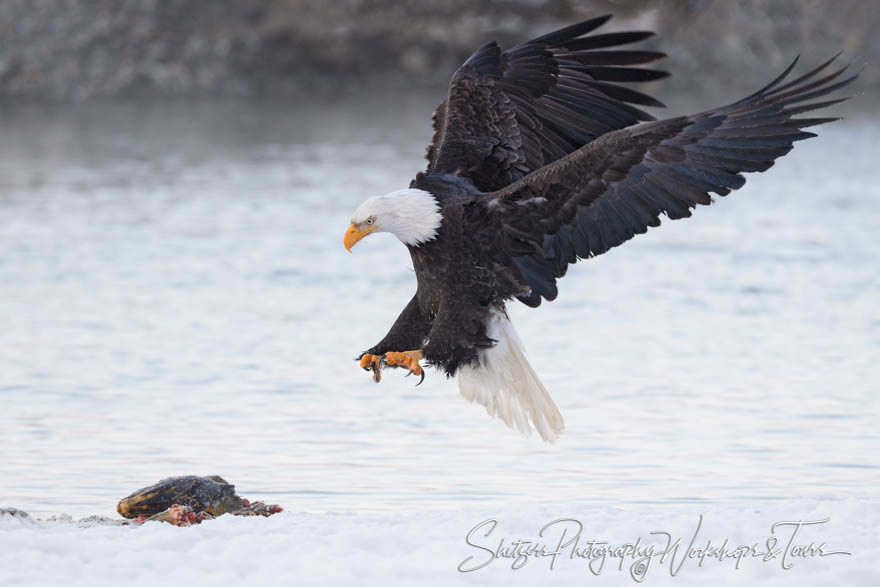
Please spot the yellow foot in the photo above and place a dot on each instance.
(372, 363)
(408, 359)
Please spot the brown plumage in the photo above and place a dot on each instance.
(618, 185)
(540, 158)
(509, 113)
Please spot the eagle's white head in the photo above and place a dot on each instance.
(412, 215)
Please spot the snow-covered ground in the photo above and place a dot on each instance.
(175, 299)
(696, 544)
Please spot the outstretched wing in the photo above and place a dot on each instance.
(617, 186)
(510, 113)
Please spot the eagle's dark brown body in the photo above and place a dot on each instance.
(540, 158)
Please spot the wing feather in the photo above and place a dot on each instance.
(508, 113)
(607, 191)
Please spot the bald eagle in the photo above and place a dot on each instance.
(539, 158)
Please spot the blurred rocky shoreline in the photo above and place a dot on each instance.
(83, 49)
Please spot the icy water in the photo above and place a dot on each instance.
(175, 299)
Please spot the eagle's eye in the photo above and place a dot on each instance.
(370, 221)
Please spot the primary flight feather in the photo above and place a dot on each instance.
(540, 158)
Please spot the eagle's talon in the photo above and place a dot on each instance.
(372, 363)
(421, 376)
(367, 360)
(377, 374)
(409, 360)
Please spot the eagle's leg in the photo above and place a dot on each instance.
(372, 363)
(408, 332)
(408, 359)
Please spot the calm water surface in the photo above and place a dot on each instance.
(175, 299)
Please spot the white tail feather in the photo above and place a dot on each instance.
(507, 385)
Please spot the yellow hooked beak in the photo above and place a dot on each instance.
(353, 235)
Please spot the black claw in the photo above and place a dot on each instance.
(422, 379)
